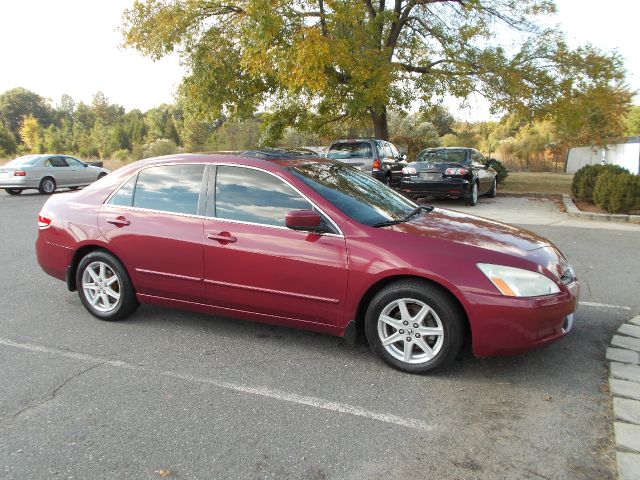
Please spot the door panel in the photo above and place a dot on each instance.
(276, 271)
(161, 251)
(58, 168)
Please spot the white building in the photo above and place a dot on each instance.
(625, 153)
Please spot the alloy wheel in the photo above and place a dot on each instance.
(101, 286)
(410, 331)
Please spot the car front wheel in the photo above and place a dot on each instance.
(494, 189)
(414, 326)
(472, 200)
(104, 287)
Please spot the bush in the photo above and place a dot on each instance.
(584, 180)
(500, 169)
(617, 192)
(122, 155)
(160, 147)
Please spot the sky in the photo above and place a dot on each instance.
(73, 47)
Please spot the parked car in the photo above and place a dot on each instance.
(309, 243)
(378, 158)
(449, 173)
(47, 173)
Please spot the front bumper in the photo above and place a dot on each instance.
(447, 187)
(508, 326)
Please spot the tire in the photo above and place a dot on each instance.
(97, 269)
(387, 180)
(442, 315)
(494, 189)
(47, 186)
(472, 199)
(13, 191)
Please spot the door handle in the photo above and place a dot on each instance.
(222, 237)
(119, 221)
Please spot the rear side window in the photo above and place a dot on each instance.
(350, 150)
(249, 195)
(124, 196)
(56, 162)
(169, 188)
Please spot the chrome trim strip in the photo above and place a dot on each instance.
(170, 275)
(124, 207)
(276, 292)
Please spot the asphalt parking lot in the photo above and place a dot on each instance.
(184, 395)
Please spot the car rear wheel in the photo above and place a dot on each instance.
(494, 189)
(104, 287)
(472, 200)
(414, 326)
(13, 191)
(47, 186)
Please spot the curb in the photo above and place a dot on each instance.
(573, 211)
(624, 383)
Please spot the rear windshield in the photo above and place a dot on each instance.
(23, 161)
(350, 150)
(442, 156)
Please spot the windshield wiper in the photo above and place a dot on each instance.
(413, 213)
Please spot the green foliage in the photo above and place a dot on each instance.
(31, 135)
(585, 179)
(414, 133)
(123, 155)
(500, 169)
(351, 61)
(617, 192)
(159, 147)
(7, 142)
(632, 121)
(19, 103)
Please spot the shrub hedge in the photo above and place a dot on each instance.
(584, 180)
(500, 169)
(617, 192)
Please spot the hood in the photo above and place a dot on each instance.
(474, 231)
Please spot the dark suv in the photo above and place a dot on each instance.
(377, 158)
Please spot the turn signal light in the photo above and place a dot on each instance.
(19, 173)
(456, 171)
(376, 165)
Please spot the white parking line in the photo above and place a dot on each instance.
(604, 305)
(314, 402)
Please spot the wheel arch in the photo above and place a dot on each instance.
(381, 283)
(79, 254)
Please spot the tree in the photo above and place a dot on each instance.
(415, 133)
(19, 103)
(632, 122)
(319, 62)
(7, 142)
(31, 135)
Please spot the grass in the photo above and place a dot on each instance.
(537, 182)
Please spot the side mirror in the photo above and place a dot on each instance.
(403, 157)
(305, 220)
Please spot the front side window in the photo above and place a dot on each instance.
(249, 195)
(169, 188)
(73, 162)
(356, 194)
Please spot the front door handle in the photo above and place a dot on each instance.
(222, 237)
(119, 221)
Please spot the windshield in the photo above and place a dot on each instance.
(356, 194)
(23, 161)
(350, 150)
(442, 156)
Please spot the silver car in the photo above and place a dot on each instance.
(46, 173)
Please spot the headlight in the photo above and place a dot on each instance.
(516, 282)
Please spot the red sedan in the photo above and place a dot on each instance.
(309, 243)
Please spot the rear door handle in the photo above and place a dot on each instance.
(222, 237)
(119, 221)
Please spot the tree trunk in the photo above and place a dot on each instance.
(380, 126)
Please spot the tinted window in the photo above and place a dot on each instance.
(253, 196)
(24, 161)
(442, 156)
(350, 150)
(169, 188)
(56, 162)
(73, 162)
(124, 196)
(358, 195)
